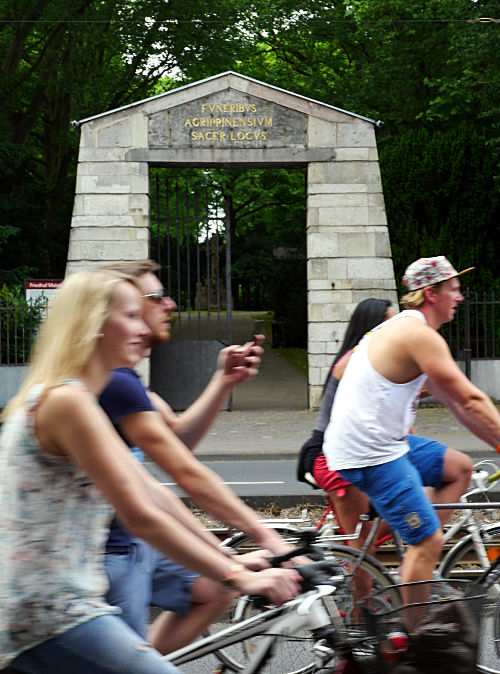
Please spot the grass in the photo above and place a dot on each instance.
(295, 356)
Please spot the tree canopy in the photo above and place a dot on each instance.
(429, 69)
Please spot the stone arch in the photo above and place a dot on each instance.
(233, 120)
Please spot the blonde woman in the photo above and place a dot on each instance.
(62, 470)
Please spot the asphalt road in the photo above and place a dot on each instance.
(262, 481)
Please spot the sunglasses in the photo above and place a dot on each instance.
(157, 295)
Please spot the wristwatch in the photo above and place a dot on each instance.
(228, 578)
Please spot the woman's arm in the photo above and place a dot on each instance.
(69, 421)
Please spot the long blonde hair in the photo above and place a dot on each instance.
(68, 335)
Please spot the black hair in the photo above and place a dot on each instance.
(365, 317)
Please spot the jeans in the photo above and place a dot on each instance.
(103, 645)
(142, 578)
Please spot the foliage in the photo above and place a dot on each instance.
(296, 357)
(438, 207)
(266, 212)
(19, 321)
(428, 69)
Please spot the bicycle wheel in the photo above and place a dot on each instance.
(488, 655)
(292, 654)
(462, 561)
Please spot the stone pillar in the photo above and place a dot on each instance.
(348, 249)
(111, 210)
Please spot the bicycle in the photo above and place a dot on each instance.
(334, 645)
(295, 657)
(483, 539)
(312, 619)
(478, 547)
(488, 657)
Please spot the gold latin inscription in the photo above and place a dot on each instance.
(240, 121)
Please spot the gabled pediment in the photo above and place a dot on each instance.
(232, 87)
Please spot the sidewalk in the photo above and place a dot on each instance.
(270, 418)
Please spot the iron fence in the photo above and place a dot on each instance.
(191, 240)
(473, 334)
(19, 323)
(475, 331)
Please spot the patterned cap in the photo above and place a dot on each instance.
(430, 270)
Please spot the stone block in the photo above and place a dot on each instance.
(333, 188)
(317, 347)
(352, 154)
(327, 296)
(105, 221)
(376, 200)
(318, 284)
(356, 134)
(105, 251)
(370, 268)
(342, 295)
(114, 168)
(359, 295)
(112, 184)
(382, 245)
(315, 396)
(371, 283)
(312, 217)
(321, 245)
(345, 172)
(326, 312)
(343, 216)
(314, 376)
(321, 133)
(358, 244)
(104, 154)
(109, 233)
(87, 138)
(116, 134)
(319, 360)
(337, 270)
(377, 216)
(337, 200)
(139, 203)
(321, 332)
(317, 268)
(102, 204)
(139, 129)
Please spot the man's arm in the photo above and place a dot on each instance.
(148, 431)
(470, 405)
(235, 365)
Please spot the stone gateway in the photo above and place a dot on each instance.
(234, 121)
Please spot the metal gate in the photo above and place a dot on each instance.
(190, 239)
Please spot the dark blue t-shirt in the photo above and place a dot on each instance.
(125, 394)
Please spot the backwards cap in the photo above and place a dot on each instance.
(428, 271)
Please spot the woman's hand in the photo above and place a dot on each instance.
(277, 585)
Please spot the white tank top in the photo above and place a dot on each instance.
(371, 415)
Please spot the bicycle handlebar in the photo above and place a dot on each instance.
(494, 477)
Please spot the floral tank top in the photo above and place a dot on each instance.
(53, 527)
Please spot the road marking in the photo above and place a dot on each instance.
(174, 484)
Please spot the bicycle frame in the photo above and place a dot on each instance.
(305, 611)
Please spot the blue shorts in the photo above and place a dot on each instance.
(428, 457)
(396, 491)
(142, 578)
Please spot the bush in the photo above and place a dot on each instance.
(19, 322)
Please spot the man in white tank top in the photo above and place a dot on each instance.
(375, 407)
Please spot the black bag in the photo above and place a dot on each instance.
(445, 643)
(307, 455)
